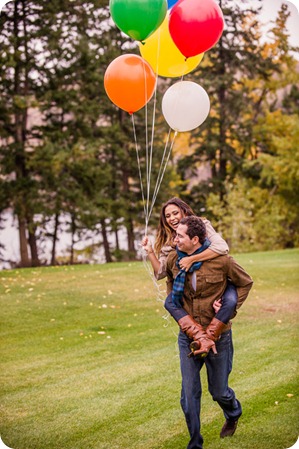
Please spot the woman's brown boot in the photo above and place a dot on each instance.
(201, 344)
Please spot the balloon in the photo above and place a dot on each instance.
(185, 106)
(129, 82)
(138, 18)
(171, 3)
(164, 56)
(195, 26)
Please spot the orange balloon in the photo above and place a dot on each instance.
(129, 82)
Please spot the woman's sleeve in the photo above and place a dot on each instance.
(218, 244)
(163, 259)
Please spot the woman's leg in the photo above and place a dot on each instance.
(222, 317)
(226, 312)
(190, 327)
(176, 312)
(229, 302)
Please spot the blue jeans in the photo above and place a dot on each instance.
(218, 368)
(226, 312)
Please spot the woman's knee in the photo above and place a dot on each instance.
(230, 295)
(168, 303)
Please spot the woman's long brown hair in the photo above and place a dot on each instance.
(165, 234)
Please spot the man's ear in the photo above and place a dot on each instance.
(195, 240)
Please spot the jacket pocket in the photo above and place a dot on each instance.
(214, 278)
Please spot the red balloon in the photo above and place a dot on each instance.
(195, 25)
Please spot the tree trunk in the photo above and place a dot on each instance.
(131, 239)
(73, 230)
(25, 261)
(20, 117)
(33, 248)
(53, 252)
(105, 241)
(222, 125)
(116, 239)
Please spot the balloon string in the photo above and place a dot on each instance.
(139, 170)
(152, 137)
(153, 125)
(161, 175)
(160, 170)
(153, 130)
(149, 153)
(146, 156)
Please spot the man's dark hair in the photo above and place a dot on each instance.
(195, 227)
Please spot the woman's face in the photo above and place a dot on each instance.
(173, 216)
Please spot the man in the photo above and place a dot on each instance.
(210, 338)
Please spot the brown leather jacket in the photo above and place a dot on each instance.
(211, 281)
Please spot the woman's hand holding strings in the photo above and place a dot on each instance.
(147, 246)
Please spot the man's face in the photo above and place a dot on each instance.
(182, 240)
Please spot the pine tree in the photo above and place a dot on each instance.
(227, 72)
(67, 150)
(266, 183)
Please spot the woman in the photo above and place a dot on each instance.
(171, 214)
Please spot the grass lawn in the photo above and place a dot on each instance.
(89, 360)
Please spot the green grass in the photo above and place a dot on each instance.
(88, 360)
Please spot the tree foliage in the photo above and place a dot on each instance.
(250, 140)
(68, 153)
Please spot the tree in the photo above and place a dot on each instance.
(247, 80)
(78, 159)
(18, 57)
(227, 73)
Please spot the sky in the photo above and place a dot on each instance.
(269, 12)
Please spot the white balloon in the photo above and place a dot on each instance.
(185, 106)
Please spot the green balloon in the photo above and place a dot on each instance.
(138, 18)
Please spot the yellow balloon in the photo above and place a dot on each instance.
(162, 54)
